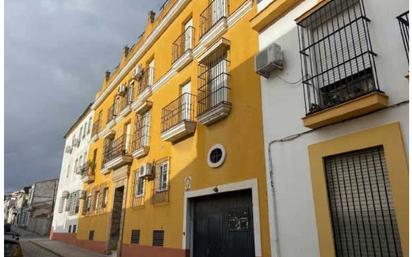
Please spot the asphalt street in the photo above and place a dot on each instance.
(32, 250)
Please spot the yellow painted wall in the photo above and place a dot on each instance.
(240, 133)
(390, 137)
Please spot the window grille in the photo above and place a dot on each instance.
(161, 185)
(91, 235)
(158, 237)
(135, 237)
(142, 129)
(360, 199)
(214, 12)
(179, 110)
(403, 20)
(213, 80)
(336, 55)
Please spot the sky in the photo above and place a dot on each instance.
(56, 54)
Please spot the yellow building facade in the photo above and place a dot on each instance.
(176, 163)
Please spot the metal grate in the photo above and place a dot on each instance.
(336, 55)
(158, 237)
(360, 199)
(183, 43)
(91, 235)
(142, 129)
(135, 237)
(214, 12)
(404, 26)
(213, 82)
(179, 110)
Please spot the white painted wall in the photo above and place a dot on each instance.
(69, 181)
(292, 214)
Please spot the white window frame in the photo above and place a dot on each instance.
(163, 177)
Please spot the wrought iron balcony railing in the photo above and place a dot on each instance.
(336, 54)
(140, 140)
(216, 10)
(183, 43)
(403, 20)
(180, 109)
(118, 147)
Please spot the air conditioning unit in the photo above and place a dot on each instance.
(268, 60)
(122, 90)
(145, 170)
(138, 72)
(69, 149)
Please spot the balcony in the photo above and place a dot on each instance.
(178, 118)
(87, 171)
(182, 49)
(144, 89)
(140, 145)
(213, 94)
(125, 104)
(117, 153)
(213, 20)
(403, 20)
(338, 68)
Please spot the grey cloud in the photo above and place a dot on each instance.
(56, 53)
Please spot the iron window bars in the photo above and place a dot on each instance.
(179, 110)
(213, 82)
(117, 147)
(141, 136)
(183, 43)
(161, 186)
(360, 201)
(216, 10)
(337, 59)
(403, 20)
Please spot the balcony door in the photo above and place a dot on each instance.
(188, 35)
(218, 10)
(185, 101)
(127, 132)
(150, 78)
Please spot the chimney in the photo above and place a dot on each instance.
(126, 51)
(107, 76)
(151, 16)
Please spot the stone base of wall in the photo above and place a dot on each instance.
(70, 238)
(152, 251)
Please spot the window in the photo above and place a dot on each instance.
(142, 130)
(88, 203)
(68, 170)
(403, 20)
(91, 235)
(139, 185)
(70, 228)
(213, 81)
(360, 200)
(150, 75)
(130, 92)
(158, 237)
(80, 163)
(61, 204)
(80, 133)
(76, 163)
(135, 237)
(75, 202)
(74, 228)
(96, 200)
(163, 176)
(336, 55)
(69, 202)
(105, 197)
(84, 131)
(186, 108)
(89, 125)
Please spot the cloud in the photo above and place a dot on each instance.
(56, 53)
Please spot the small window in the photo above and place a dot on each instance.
(70, 228)
(89, 125)
(105, 195)
(163, 176)
(135, 238)
(96, 200)
(74, 228)
(216, 156)
(91, 235)
(158, 237)
(139, 185)
(88, 203)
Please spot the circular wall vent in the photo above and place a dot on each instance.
(216, 156)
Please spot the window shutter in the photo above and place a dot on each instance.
(360, 199)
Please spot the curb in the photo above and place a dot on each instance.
(45, 248)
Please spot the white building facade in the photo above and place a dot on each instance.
(336, 127)
(74, 166)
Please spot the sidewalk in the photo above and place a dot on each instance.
(64, 250)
